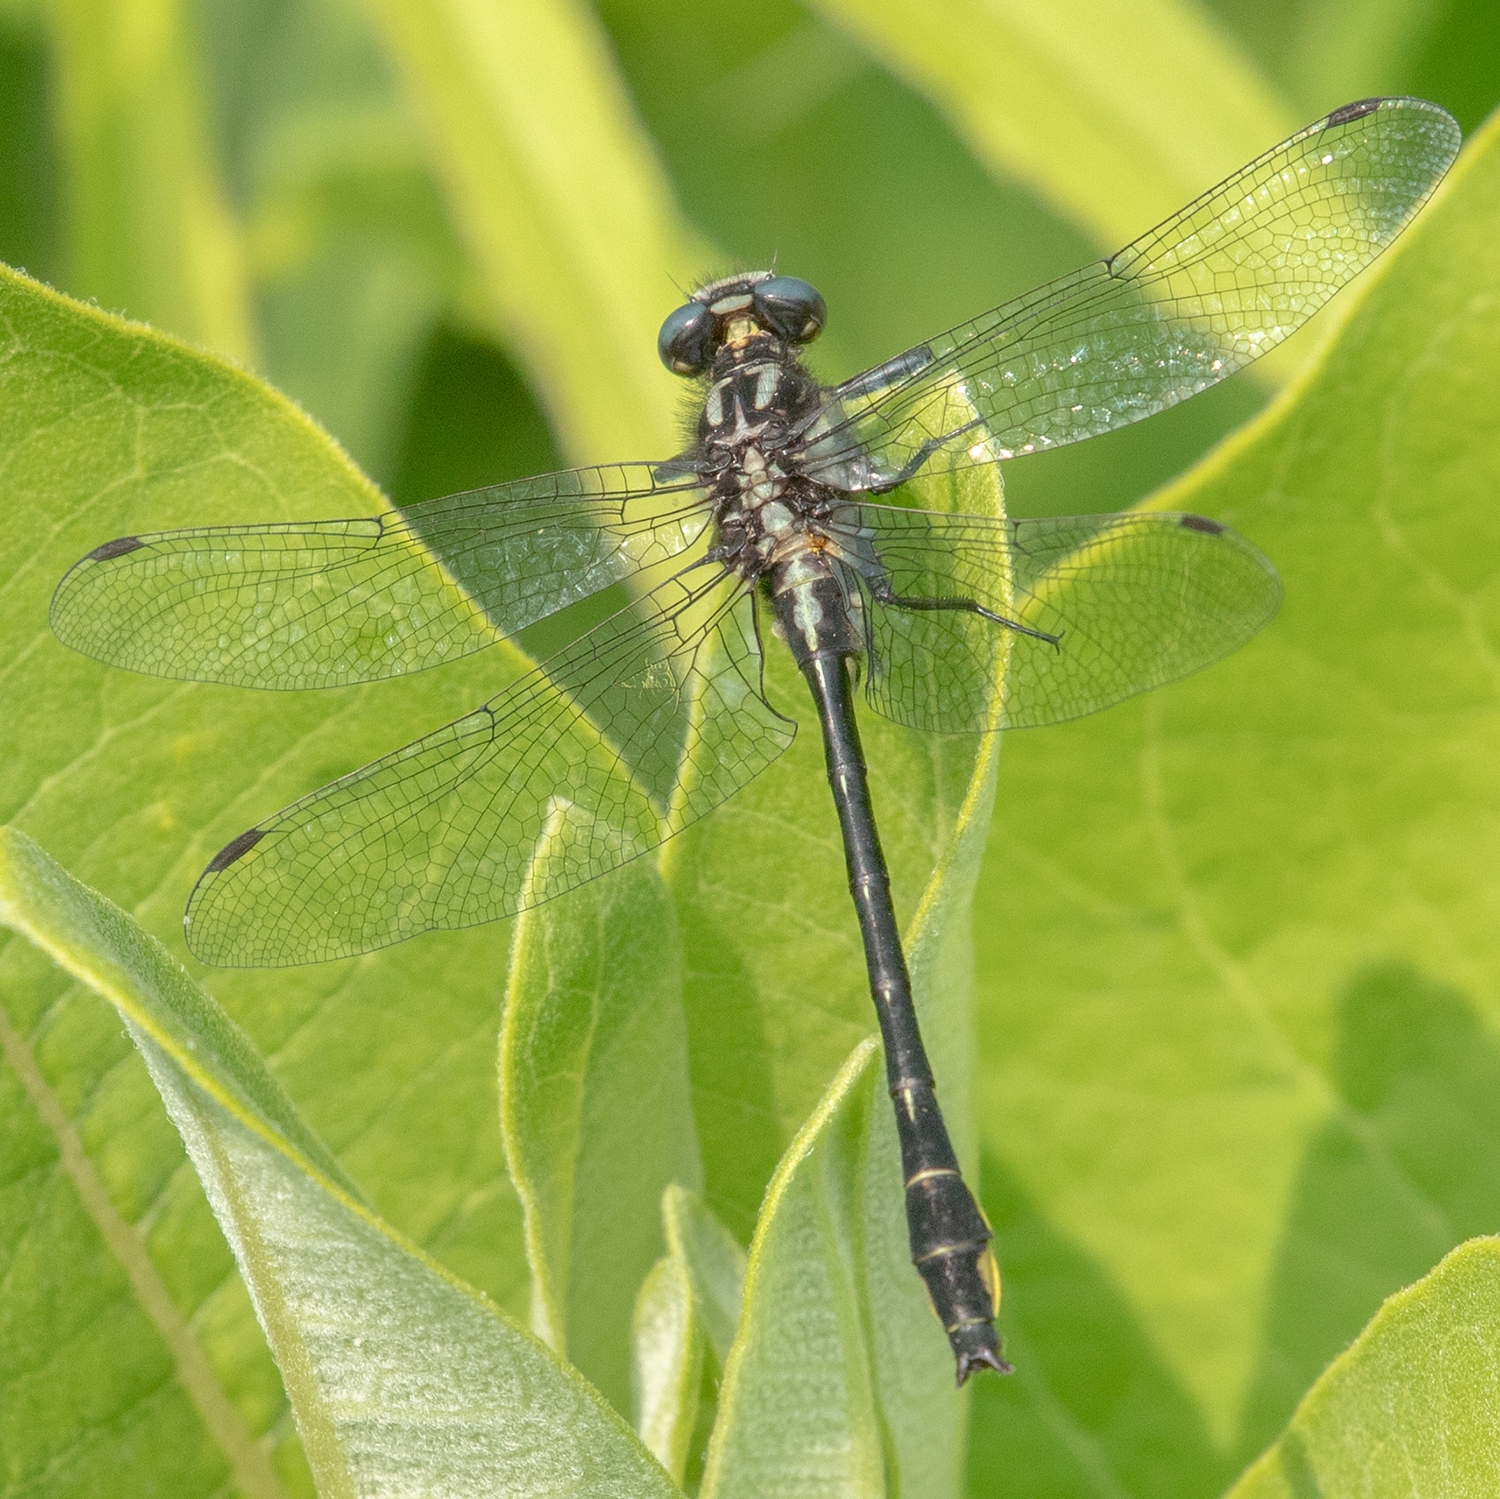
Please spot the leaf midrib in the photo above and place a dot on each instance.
(248, 1460)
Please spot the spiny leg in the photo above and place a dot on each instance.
(882, 593)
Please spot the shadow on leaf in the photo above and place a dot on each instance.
(1409, 1168)
(1092, 1408)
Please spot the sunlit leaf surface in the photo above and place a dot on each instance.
(595, 1106)
(1236, 939)
(1413, 1408)
(401, 1377)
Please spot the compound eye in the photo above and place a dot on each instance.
(685, 342)
(790, 308)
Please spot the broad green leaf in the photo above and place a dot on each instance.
(594, 1106)
(150, 228)
(402, 1378)
(559, 197)
(1236, 939)
(109, 429)
(1412, 1410)
(1067, 98)
(105, 1386)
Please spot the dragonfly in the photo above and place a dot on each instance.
(785, 517)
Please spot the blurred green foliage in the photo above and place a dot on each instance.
(464, 288)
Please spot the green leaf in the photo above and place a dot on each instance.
(401, 1376)
(594, 1106)
(685, 1320)
(106, 1385)
(150, 229)
(136, 782)
(537, 147)
(1067, 98)
(1413, 1408)
(1236, 939)
(346, 233)
(666, 1370)
(836, 1384)
(713, 1261)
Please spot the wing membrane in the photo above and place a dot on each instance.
(1195, 299)
(328, 603)
(1137, 600)
(640, 726)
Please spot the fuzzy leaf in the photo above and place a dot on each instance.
(1412, 1410)
(111, 428)
(401, 1377)
(594, 1106)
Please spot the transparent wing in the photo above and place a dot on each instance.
(1136, 600)
(1192, 301)
(638, 727)
(332, 602)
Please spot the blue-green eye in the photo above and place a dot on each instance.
(685, 342)
(790, 308)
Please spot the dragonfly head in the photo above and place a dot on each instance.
(735, 310)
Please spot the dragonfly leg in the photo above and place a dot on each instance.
(886, 595)
(910, 468)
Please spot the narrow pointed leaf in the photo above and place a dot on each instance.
(666, 1367)
(594, 1104)
(714, 1262)
(566, 212)
(840, 1381)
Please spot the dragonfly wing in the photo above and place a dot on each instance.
(1188, 303)
(625, 736)
(1133, 601)
(328, 603)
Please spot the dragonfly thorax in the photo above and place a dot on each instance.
(759, 397)
(744, 334)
